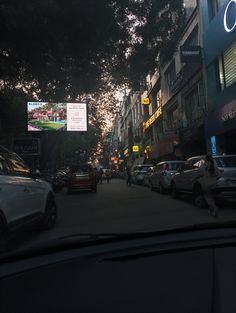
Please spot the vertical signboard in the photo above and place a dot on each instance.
(77, 117)
(213, 145)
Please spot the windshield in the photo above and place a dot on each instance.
(101, 103)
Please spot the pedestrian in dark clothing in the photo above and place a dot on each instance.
(128, 176)
(100, 173)
(210, 174)
(108, 175)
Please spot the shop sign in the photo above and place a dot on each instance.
(228, 116)
(126, 152)
(27, 146)
(152, 119)
(146, 101)
(191, 54)
(135, 148)
(230, 17)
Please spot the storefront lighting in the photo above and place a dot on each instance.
(228, 28)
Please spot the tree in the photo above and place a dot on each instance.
(56, 50)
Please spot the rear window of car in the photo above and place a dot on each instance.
(144, 168)
(226, 161)
(82, 169)
(174, 166)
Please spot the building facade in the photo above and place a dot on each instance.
(219, 40)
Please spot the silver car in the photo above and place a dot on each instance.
(227, 182)
(139, 173)
(163, 174)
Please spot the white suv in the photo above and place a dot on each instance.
(24, 198)
(187, 179)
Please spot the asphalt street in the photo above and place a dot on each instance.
(117, 208)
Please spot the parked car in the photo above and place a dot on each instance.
(162, 176)
(147, 177)
(187, 179)
(82, 176)
(139, 173)
(24, 198)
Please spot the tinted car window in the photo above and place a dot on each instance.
(18, 166)
(83, 169)
(4, 168)
(175, 166)
(226, 161)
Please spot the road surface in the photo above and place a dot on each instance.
(117, 208)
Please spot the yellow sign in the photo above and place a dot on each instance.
(135, 148)
(126, 152)
(146, 101)
(152, 119)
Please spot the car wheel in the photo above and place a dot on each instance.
(199, 200)
(50, 215)
(174, 191)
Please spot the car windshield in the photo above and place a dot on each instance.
(102, 104)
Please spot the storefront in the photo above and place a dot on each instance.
(221, 129)
(219, 40)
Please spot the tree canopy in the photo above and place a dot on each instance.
(57, 48)
(69, 50)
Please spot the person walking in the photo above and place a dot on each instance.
(210, 174)
(108, 175)
(128, 175)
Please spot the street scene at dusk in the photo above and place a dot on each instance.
(118, 156)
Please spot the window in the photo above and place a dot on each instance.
(227, 67)
(192, 106)
(172, 117)
(192, 39)
(170, 76)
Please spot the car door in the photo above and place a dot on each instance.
(155, 176)
(12, 195)
(188, 176)
(33, 189)
(181, 176)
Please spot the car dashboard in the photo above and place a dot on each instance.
(186, 271)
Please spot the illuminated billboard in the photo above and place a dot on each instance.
(51, 116)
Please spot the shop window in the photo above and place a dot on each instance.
(227, 67)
